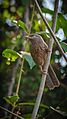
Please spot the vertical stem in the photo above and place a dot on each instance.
(32, 18)
(46, 65)
(18, 85)
(38, 100)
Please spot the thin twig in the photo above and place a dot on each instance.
(11, 113)
(18, 85)
(46, 65)
(50, 30)
(32, 19)
(19, 80)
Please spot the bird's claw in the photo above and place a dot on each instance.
(44, 72)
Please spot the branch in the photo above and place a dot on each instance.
(50, 30)
(46, 65)
(11, 113)
(14, 70)
(19, 80)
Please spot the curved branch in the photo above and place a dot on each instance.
(50, 30)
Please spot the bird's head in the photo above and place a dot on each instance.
(33, 38)
(36, 39)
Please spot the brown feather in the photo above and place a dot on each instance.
(39, 51)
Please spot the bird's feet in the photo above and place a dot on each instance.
(44, 72)
(48, 50)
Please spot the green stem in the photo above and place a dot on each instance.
(32, 18)
(18, 85)
(11, 113)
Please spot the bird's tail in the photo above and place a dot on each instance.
(52, 80)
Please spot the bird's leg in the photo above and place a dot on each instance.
(42, 71)
(47, 50)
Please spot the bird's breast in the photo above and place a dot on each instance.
(38, 55)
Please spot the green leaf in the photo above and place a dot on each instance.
(27, 116)
(25, 2)
(64, 46)
(45, 90)
(10, 54)
(29, 59)
(62, 23)
(46, 10)
(8, 62)
(21, 24)
(20, 11)
(12, 99)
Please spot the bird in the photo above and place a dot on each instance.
(39, 50)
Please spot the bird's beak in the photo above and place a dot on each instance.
(28, 37)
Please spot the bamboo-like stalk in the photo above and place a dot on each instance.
(46, 65)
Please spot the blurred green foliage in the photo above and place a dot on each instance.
(12, 99)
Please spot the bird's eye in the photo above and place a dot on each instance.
(35, 36)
